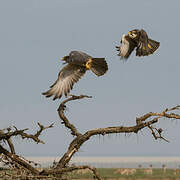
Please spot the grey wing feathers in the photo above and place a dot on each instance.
(69, 75)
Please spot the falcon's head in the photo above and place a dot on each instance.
(133, 34)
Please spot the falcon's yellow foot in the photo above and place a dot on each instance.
(149, 46)
(88, 64)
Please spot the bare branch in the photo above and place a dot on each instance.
(18, 160)
(42, 128)
(10, 134)
(141, 122)
(24, 135)
(162, 114)
(9, 141)
(147, 120)
(15, 158)
(157, 133)
(66, 122)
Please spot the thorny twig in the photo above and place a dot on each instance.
(16, 132)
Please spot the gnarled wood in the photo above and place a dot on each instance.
(141, 122)
(147, 120)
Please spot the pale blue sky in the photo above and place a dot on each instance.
(35, 34)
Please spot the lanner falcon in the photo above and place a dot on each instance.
(137, 39)
(77, 64)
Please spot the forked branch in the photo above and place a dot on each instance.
(65, 121)
(146, 120)
(16, 132)
(5, 136)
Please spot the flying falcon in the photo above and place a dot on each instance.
(137, 39)
(77, 64)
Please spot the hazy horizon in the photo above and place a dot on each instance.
(113, 162)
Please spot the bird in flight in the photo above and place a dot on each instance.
(137, 39)
(77, 63)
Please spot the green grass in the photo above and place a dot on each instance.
(107, 173)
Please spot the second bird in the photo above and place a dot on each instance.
(77, 64)
(137, 39)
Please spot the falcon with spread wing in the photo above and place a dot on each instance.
(137, 39)
(77, 64)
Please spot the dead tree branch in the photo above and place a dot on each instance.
(18, 160)
(5, 136)
(9, 142)
(162, 114)
(141, 122)
(16, 132)
(65, 121)
(157, 133)
(147, 120)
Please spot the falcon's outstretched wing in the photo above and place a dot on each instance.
(69, 75)
(126, 47)
(145, 45)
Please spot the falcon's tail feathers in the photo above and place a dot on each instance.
(147, 49)
(98, 66)
(153, 45)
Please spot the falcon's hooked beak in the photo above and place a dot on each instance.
(130, 33)
(65, 58)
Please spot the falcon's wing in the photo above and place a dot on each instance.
(69, 75)
(145, 45)
(126, 47)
